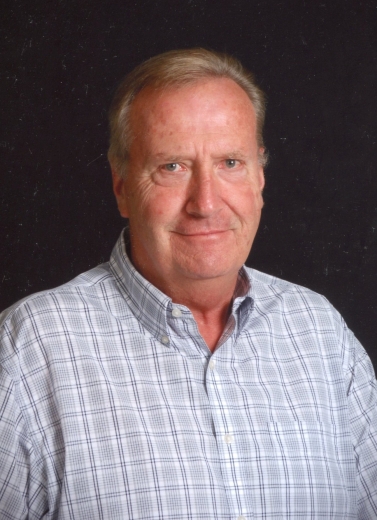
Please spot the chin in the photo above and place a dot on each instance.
(209, 270)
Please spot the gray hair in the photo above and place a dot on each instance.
(176, 69)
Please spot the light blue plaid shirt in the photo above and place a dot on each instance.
(112, 406)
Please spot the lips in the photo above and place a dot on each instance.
(202, 233)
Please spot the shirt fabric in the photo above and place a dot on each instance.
(112, 406)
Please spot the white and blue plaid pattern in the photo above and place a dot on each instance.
(113, 408)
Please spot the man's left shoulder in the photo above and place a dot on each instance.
(295, 314)
(267, 287)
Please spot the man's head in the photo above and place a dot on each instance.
(176, 69)
(193, 187)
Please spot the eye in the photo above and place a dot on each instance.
(171, 167)
(231, 163)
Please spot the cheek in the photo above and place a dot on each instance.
(247, 203)
(140, 198)
(159, 205)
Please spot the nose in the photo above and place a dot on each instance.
(204, 194)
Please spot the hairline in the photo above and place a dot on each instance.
(145, 76)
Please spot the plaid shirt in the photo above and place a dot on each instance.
(112, 406)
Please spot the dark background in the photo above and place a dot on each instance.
(317, 62)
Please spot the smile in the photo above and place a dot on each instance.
(204, 234)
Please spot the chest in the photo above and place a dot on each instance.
(257, 430)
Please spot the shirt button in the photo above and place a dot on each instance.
(241, 517)
(228, 438)
(212, 364)
(164, 340)
(176, 312)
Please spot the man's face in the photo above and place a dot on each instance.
(193, 190)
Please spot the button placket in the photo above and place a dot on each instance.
(217, 385)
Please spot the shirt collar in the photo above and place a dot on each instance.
(146, 302)
(150, 306)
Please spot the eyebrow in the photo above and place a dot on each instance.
(168, 158)
(236, 153)
(232, 154)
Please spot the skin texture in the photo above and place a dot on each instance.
(193, 194)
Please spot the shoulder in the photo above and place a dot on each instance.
(266, 288)
(86, 283)
(51, 315)
(94, 287)
(296, 312)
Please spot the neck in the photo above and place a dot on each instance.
(208, 300)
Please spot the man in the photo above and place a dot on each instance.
(172, 382)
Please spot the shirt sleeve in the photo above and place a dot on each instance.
(14, 454)
(22, 481)
(362, 396)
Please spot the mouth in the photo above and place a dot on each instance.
(207, 233)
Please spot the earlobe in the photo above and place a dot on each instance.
(119, 192)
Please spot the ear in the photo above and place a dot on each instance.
(120, 192)
(261, 178)
(262, 160)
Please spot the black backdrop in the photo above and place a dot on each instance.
(317, 61)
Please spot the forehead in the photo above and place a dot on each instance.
(218, 101)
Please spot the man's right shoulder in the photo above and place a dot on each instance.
(94, 290)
